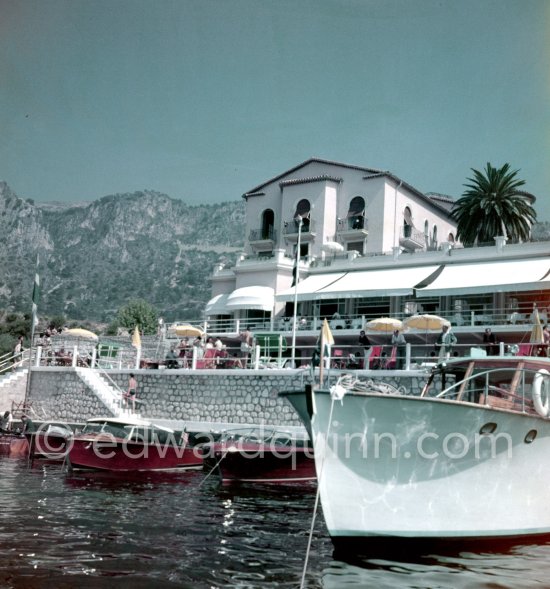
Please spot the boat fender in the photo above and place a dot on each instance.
(541, 392)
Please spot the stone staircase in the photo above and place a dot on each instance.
(109, 395)
(12, 388)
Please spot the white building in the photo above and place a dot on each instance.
(370, 245)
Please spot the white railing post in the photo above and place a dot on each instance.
(75, 355)
(194, 359)
(256, 357)
(94, 355)
(38, 355)
(407, 356)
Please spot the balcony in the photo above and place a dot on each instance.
(290, 230)
(264, 238)
(411, 238)
(352, 228)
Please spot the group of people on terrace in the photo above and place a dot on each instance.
(210, 352)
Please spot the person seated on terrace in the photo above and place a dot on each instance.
(234, 362)
(172, 359)
(183, 346)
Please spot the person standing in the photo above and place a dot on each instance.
(490, 342)
(130, 394)
(399, 343)
(445, 342)
(17, 353)
(367, 347)
(246, 345)
(5, 422)
(28, 425)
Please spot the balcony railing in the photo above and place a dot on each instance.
(263, 234)
(412, 238)
(292, 227)
(357, 223)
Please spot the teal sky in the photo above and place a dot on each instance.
(204, 99)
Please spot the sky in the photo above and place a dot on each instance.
(205, 99)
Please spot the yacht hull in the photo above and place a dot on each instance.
(391, 466)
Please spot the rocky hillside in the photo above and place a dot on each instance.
(97, 256)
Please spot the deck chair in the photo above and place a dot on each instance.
(392, 360)
(208, 360)
(374, 359)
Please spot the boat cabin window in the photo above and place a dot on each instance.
(91, 428)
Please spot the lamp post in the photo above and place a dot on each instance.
(299, 220)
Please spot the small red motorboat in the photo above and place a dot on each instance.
(14, 445)
(50, 440)
(261, 455)
(131, 444)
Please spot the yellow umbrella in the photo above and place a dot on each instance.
(426, 322)
(136, 338)
(80, 332)
(187, 330)
(384, 324)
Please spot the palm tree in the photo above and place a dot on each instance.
(493, 205)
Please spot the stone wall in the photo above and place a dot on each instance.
(227, 396)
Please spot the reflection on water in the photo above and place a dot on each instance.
(167, 530)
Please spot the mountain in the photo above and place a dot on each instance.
(96, 256)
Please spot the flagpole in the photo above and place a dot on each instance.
(34, 321)
(322, 355)
(296, 279)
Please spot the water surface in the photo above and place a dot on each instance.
(180, 530)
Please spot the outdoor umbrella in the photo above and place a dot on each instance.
(79, 332)
(332, 247)
(384, 325)
(426, 323)
(187, 330)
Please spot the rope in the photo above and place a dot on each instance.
(317, 495)
(352, 383)
(213, 468)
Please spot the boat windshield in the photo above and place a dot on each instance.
(264, 436)
(149, 434)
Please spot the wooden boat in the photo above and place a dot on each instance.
(131, 444)
(260, 455)
(50, 440)
(14, 445)
(465, 461)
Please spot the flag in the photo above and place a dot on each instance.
(326, 334)
(35, 295)
(536, 332)
(136, 338)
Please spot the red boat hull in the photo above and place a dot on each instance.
(259, 463)
(94, 452)
(48, 445)
(13, 445)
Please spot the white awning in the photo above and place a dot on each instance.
(217, 305)
(308, 286)
(258, 298)
(364, 283)
(377, 283)
(489, 277)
